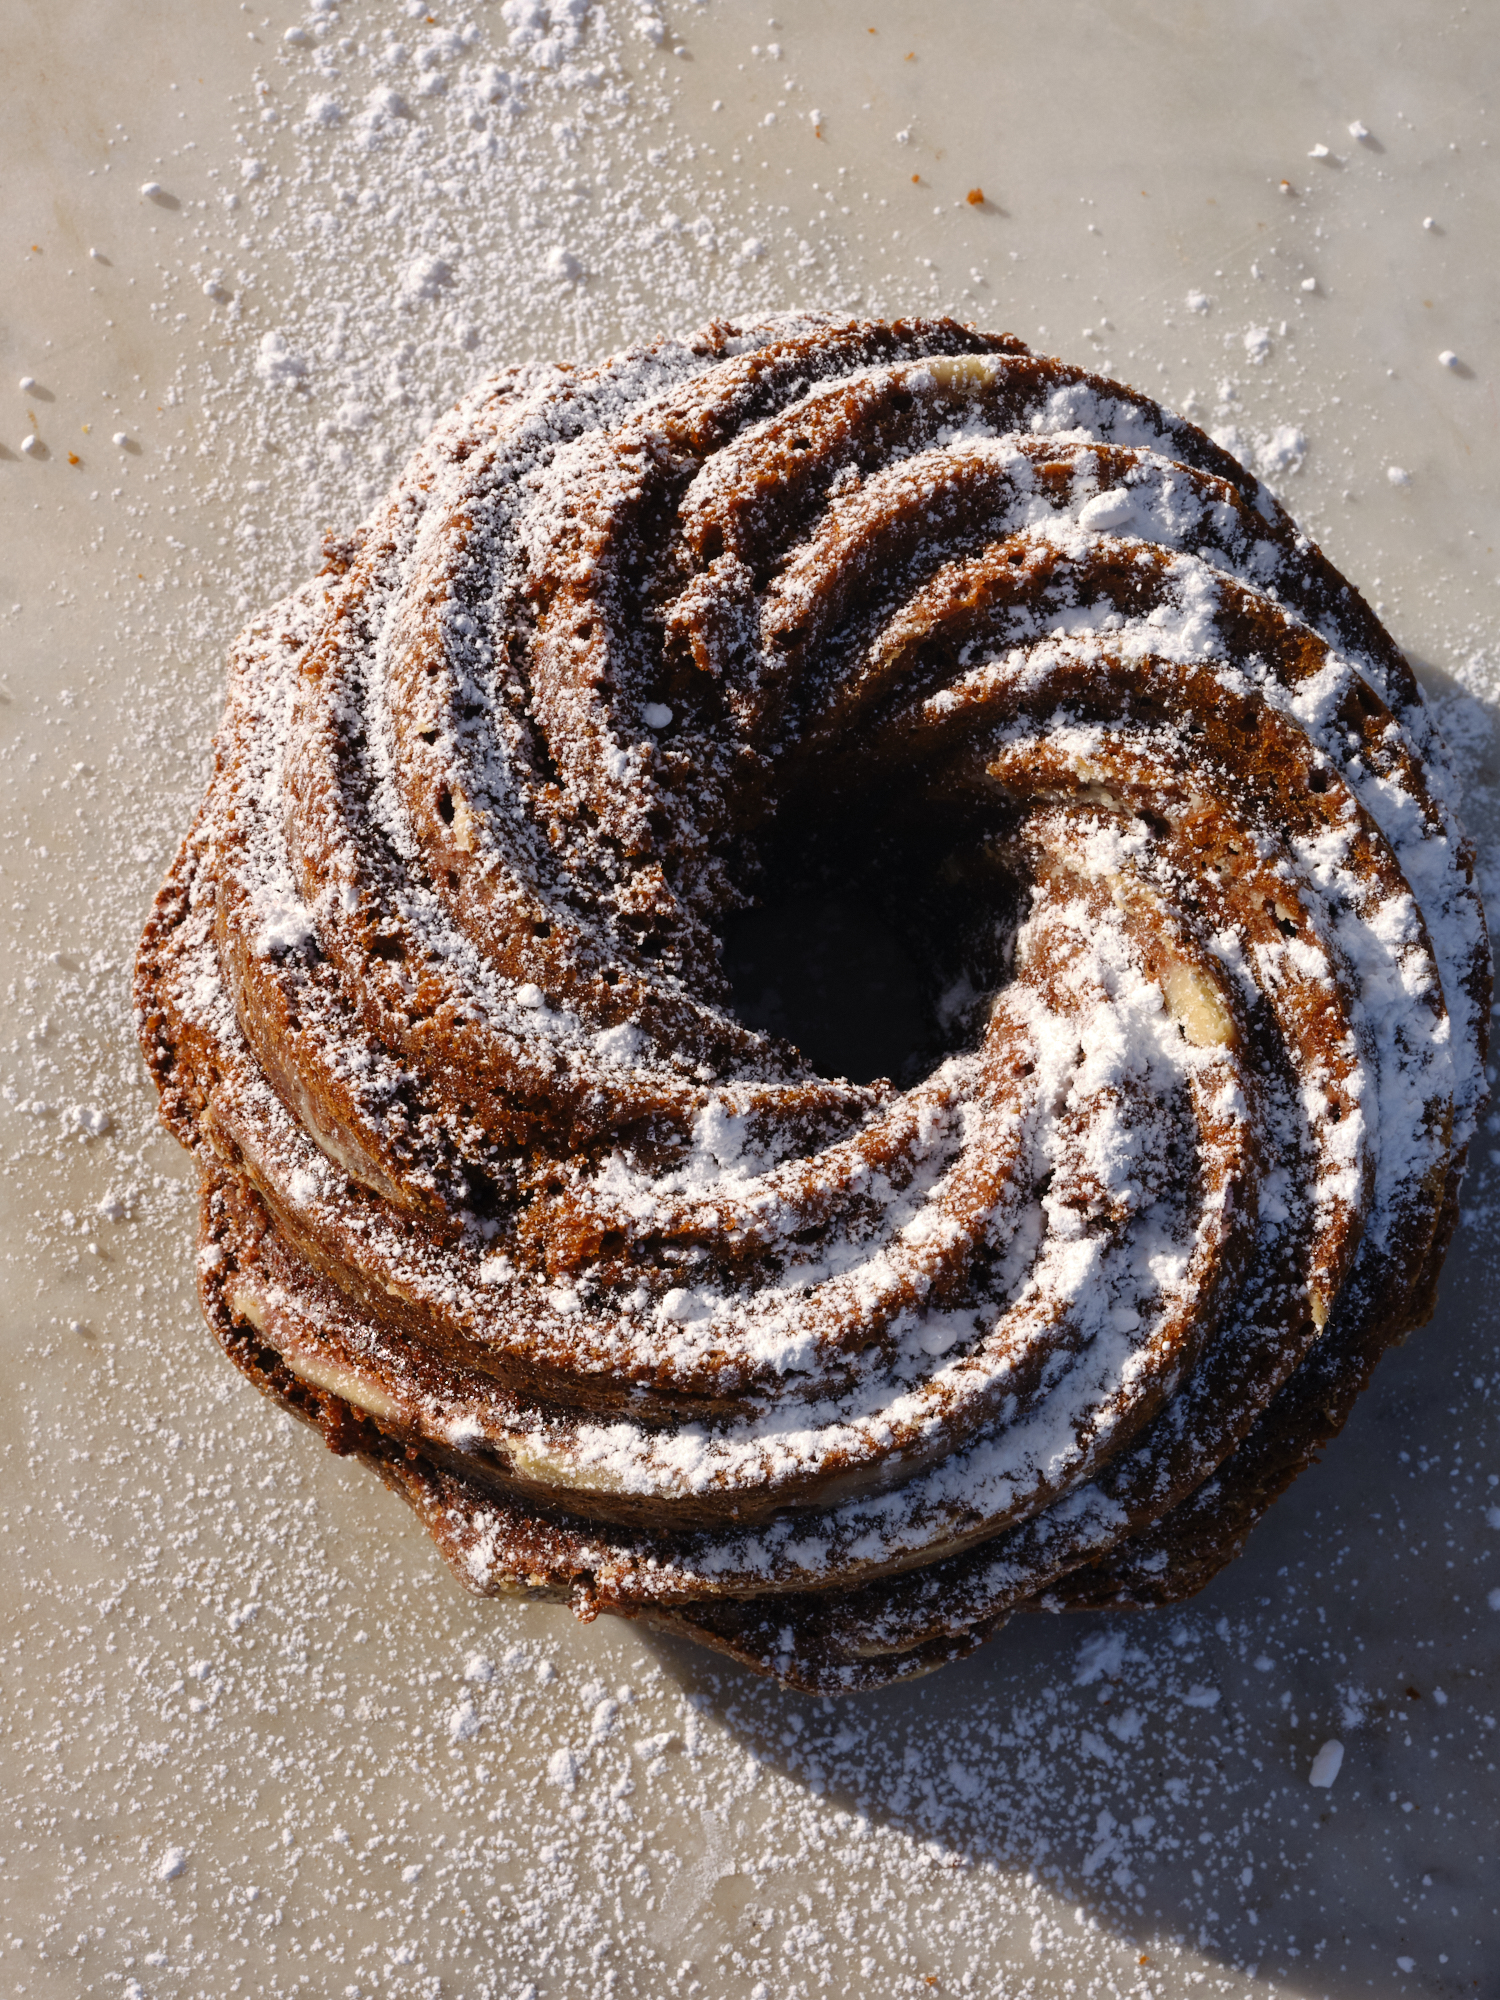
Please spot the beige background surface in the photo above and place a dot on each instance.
(255, 1740)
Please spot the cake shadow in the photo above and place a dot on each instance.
(1146, 1776)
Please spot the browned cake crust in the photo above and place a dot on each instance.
(636, 1307)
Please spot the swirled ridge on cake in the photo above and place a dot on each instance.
(635, 1306)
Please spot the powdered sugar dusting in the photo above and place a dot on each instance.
(957, 1826)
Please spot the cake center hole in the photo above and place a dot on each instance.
(827, 971)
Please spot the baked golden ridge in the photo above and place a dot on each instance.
(633, 1305)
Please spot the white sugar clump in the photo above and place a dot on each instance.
(285, 923)
(1327, 1764)
(562, 1769)
(1100, 1657)
(463, 1722)
(1280, 451)
(1107, 510)
(278, 364)
(425, 277)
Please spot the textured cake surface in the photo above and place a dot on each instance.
(634, 1304)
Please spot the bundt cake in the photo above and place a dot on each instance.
(508, 1185)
